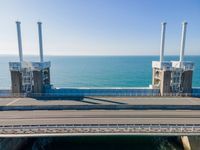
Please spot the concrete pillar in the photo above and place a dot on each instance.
(186, 83)
(19, 41)
(161, 79)
(165, 88)
(16, 80)
(186, 143)
(38, 82)
(162, 44)
(40, 41)
(183, 38)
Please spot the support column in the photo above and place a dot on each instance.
(19, 40)
(40, 41)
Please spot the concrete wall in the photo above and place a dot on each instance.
(38, 82)
(164, 77)
(16, 80)
(40, 79)
(187, 81)
(165, 83)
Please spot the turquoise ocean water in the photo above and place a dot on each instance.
(98, 71)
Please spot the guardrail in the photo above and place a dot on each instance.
(112, 94)
(98, 92)
(84, 94)
(99, 129)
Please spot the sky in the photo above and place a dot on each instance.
(99, 27)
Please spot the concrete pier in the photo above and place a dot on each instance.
(186, 143)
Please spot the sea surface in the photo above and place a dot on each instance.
(96, 71)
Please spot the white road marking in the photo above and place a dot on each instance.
(14, 101)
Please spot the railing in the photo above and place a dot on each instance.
(83, 94)
(94, 129)
(116, 92)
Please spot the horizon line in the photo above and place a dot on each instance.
(93, 55)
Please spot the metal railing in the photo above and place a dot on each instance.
(79, 129)
(83, 94)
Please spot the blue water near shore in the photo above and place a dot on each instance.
(98, 71)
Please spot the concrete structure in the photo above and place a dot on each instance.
(182, 70)
(175, 76)
(29, 77)
(182, 77)
(162, 77)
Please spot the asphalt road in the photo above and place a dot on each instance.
(100, 117)
(43, 117)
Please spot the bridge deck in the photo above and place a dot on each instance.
(101, 121)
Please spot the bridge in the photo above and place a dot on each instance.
(163, 116)
(100, 111)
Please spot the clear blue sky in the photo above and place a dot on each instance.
(99, 27)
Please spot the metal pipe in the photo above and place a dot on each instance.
(162, 44)
(40, 40)
(183, 38)
(19, 40)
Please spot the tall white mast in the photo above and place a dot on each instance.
(183, 38)
(40, 41)
(19, 41)
(162, 44)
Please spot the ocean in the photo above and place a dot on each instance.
(97, 71)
